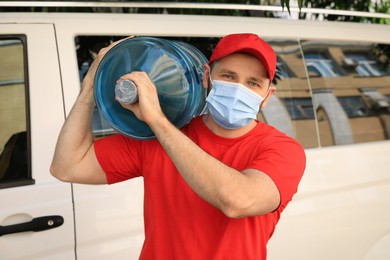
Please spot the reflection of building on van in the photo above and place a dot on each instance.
(349, 95)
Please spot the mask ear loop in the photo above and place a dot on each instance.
(210, 83)
(210, 69)
(269, 88)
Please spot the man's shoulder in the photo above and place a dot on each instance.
(274, 136)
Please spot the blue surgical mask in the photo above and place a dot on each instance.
(232, 105)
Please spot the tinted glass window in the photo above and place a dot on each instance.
(290, 110)
(14, 148)
(350, 90)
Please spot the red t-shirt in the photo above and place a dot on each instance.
(181, 225)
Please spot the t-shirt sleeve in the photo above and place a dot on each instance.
(284, 161)
(119, 157)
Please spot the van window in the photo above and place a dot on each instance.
(328, 92)
(290, 110)
(14, 145)
(350, 84)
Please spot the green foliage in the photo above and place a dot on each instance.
(382, 6)
(351, 5)
(286, 3)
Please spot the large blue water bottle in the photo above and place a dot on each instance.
(176, 68)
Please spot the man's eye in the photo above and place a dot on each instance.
(254, 84)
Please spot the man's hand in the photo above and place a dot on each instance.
(88, 80)
(148, 107)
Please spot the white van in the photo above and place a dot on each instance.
(333, 96)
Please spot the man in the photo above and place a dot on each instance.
(214, 189)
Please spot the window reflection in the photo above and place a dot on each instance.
(319, 66)
(364, 65)
(291, 109)
(350, 85)
(282, 69)
(354, 106)
(299, 108)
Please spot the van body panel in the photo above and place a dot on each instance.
(47, 197)
(342, 206)
(109, 220)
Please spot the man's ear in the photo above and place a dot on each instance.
(206, 76)
(272, 89)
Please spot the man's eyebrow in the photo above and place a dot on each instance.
(228, 71)
(254, 79)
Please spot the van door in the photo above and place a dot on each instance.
(36, 212)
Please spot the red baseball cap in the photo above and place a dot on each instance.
(247, 43)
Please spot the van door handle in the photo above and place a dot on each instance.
(36, 225)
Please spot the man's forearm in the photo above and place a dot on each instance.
(218, 184)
